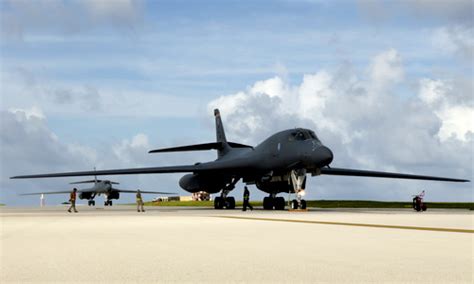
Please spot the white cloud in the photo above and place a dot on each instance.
(29, 146)
(386, 69)
(457, 40)
(27, 114)
(457, 117)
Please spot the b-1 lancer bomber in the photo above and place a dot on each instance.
(105, 187)
(277, 165)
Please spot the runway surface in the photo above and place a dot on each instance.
(196, 245)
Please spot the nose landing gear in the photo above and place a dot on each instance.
(298, 180)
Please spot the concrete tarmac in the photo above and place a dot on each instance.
(197, 245)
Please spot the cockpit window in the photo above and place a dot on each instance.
(301, 135)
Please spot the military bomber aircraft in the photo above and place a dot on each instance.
(105, 187)
(277, 165)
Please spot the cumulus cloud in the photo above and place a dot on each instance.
(458, 40)
(365, 129)
(29, 146)
(457, 118)
(21, 17)
(386, 69)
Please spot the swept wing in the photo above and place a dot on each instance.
(151, 170)
(364, 173)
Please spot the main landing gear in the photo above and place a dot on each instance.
(91, 201)
(108, 203)
(298, 178)
(224, 201)
(227, 202)
(273, 202)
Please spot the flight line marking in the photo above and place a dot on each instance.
(353, 224)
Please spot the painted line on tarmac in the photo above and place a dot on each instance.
(353, 224)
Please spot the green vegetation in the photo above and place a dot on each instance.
(332, 204)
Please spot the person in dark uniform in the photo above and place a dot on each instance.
(246, 200)
(72, 199)
(139, 202)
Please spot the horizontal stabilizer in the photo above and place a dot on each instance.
(364, 173)
(200, 147)
(92, 181)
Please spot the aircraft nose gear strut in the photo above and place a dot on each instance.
(226, 201)
(298, 178)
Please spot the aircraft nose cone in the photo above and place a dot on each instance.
(326, 155)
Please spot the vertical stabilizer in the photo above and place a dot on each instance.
(220, 135)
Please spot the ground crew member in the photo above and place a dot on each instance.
(246, 200)
(72, 199)
(139, 202)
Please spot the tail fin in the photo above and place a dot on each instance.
(220, 135)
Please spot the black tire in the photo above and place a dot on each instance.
(230, 203)
(218, 203)
(303, 204)
(268, 203)
(93, 202)
(294, 204)
(110, 203)
(423, 207)
(279, 203)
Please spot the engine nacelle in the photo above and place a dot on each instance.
(198, 182)
(85, 195)
(113, 195)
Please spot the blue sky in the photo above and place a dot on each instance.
(98, 73)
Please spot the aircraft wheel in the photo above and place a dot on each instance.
(106, 203)
(218, 203)
(423, 207)
(294, 204)
(110, 202)
(89, 203)
(93, 202)
(268, 203)
(230, 203)
(303, 204)
(279, 203)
